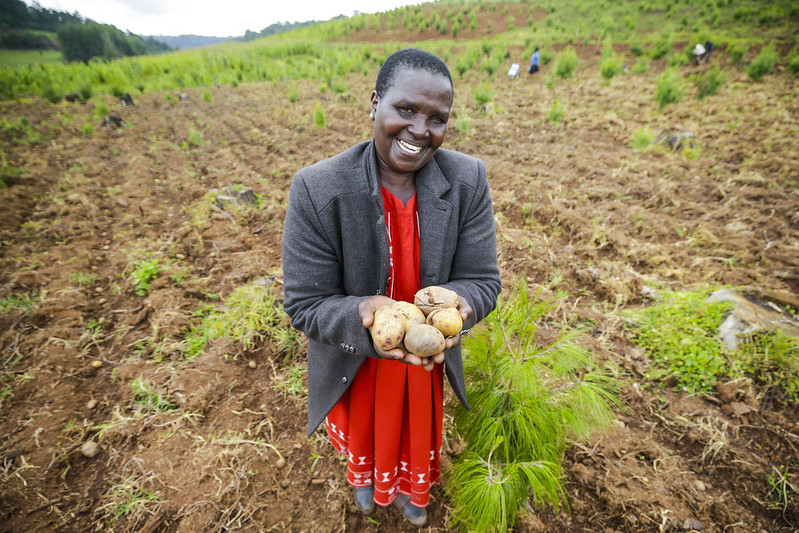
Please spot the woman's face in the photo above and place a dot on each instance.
(411, 120)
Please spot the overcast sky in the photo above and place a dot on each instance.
(222, 18)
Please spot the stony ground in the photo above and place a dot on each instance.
(581, 214)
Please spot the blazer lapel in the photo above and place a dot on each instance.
(434, 221)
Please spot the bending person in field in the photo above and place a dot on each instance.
(371, 226)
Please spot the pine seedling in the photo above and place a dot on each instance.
(529, 402)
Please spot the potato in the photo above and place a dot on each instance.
(424, 340)
(447, 320)
(387, 329)
(410, 314)
(432, 297)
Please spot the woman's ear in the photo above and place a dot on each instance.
(374, 99)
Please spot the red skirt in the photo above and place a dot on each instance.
(389, 426)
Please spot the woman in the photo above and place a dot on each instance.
(369, 227)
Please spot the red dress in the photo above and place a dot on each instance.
(389, 422)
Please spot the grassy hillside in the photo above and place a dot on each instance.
(476, 34)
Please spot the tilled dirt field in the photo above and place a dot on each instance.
(581, 214)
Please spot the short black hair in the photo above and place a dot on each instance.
(411, 58)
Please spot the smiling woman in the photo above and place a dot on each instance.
(368, 228)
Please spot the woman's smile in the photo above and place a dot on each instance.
(410, 121)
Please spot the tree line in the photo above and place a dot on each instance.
(79, 39)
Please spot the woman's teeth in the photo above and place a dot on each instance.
(409, 147)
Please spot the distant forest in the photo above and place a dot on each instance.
(192, 41)
(37, 28)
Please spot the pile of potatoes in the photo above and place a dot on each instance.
(421, 326)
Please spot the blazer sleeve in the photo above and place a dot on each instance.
(474, 272)
(314, 296)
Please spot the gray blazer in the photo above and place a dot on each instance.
(335, 253)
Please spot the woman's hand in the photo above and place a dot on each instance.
(366, 310)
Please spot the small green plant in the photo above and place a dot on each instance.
(566, 63)
(143, 274)
(530, 401)
(556, 112)
(679, 334)
(128, 498)
(641, 66)
(462, 122)
(764, 63)
(482, 95)
(146, 399)
(737, 51)
(783, 491)
(207, 96)
(610, 66)
(195, 138)
(100, 110)
(16, 301)
(87, 129)
(662, 46)
(709, 82)
(83, 279)
(771, 358)
(643, 139)
(670, 87)
(251, 313)
(319, 116)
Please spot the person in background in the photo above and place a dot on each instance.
(709, 47)
(534, 61)
(698, 52)
(371, 226)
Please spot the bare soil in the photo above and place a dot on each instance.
(581, 214)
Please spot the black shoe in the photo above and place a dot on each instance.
(415, 515)
(365, 498)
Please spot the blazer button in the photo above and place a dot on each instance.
(344, 379)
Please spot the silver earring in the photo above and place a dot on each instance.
(372, 114)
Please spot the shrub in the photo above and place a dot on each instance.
(195, 138)
(319, 115)
(610, 66)
(764, 63)
(565, 63)
(531, 401)
(670, 87)
(641, 66)
(737, 51)
(482, 94)
(662, 46)
(555, 114)
(643, 139)
(709, 82)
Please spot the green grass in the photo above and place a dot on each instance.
(16, 58)
(679, 335)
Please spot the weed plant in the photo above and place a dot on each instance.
(670, 87)
(251, 313)
(566, 63)
(643, 139)
(529, 401)
(641, 66)
(764, 63)
(737, 51)
(610, 66)
(709, 82)
(319, 116)
(556, 112)
(680, 335)
(144, 272)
